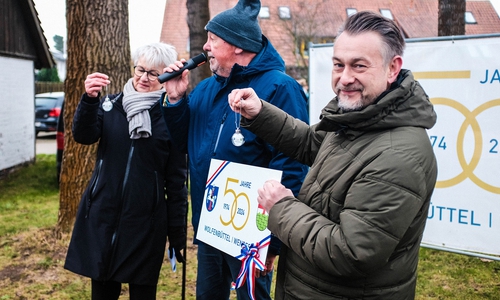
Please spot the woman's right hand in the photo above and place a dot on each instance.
(94, 83)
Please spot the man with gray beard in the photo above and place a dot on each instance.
(354, 230)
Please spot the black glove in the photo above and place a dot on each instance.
(177, 242)
(178, 254)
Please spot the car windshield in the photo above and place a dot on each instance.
(46, 102)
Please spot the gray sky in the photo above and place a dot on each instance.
(496, 5)
(145, 20)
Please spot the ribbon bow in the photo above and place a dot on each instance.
(250, 259)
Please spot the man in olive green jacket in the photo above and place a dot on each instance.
(354, 230)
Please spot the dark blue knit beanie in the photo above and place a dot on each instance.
(239, 25)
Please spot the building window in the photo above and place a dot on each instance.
(351, 11)
(386, 13)
(284, 12)
(264, 12)
(469, 18)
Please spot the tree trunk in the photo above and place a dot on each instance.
(198, 17)
(98, 41)
(451, 17)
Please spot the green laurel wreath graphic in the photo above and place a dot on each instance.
(262, 221)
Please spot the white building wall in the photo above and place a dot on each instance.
(17, 112)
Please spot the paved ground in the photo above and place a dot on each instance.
(46, 143)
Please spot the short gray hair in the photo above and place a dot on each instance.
(158, 55)
(367, 21)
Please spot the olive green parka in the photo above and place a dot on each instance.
(354, 231)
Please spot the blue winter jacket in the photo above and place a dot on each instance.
(204, 124)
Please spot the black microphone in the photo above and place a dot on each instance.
(194, 62)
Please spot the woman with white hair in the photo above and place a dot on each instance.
(137, 195)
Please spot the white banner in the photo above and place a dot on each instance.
(231, 216)
(462, 79)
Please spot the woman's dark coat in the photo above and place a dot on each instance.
(136, 193)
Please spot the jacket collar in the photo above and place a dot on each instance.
(267, 59)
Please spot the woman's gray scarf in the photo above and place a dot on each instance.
(137, 106)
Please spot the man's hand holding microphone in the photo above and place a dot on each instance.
(176, 85)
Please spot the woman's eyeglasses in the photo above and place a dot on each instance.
(139, 71)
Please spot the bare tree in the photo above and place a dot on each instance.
(302, 28)
(198, 17)
(451, 17)
(98, 41)
(303, 25)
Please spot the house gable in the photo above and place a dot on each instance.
(23, 48)
(21, 35)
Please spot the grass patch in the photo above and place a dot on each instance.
(445, 275)
(32, 257)
(29, 197)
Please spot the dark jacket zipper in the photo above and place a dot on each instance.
(157, 201)
(125, 179)
(224, 117)
(93, 188)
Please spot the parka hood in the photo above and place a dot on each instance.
(266, 60)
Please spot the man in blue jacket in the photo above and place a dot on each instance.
(240, 56)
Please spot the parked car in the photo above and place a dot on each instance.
(60, 141)
(47, 111)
